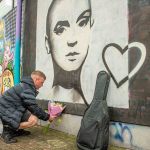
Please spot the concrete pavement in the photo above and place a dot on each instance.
(41, 140)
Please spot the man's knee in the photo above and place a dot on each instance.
(33, 120)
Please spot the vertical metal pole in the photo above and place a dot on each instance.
(18, 43)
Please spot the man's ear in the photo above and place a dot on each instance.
(47, 45)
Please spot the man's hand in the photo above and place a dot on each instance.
(51, 118)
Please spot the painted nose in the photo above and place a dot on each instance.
(71, 44)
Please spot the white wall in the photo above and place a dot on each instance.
(110, 26)
(109, 18)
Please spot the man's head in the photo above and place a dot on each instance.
(68, 28)
(38, 78)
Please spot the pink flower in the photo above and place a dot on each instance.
(55, 109)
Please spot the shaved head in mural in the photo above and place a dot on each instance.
(67, 38)
(68, 32)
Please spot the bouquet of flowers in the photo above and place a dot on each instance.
(55, 108)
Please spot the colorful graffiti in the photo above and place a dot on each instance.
(6, 59)
(7, 80)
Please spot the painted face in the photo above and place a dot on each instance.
(70, 32)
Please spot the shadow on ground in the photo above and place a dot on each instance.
(39, 140)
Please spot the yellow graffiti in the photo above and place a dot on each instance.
(6, 80)
(1, 29)
(1, 25)
(1, 35)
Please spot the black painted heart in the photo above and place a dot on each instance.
(115, 59)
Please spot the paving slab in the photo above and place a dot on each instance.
(40, 139)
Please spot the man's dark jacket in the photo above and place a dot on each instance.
(15, 101)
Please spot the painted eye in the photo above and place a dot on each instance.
(83, 22)
(59, 30)
(61, 26)
(84, 18)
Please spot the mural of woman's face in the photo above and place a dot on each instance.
(70, 32)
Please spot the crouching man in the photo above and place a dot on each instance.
(18, 107)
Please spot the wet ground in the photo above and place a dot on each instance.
(40, 139)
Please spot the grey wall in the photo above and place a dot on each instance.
(29, 43)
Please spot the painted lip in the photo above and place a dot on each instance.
(72, 54)
(72, 60)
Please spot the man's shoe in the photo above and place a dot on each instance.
(7, 135)
(21, 132)
(8, 139)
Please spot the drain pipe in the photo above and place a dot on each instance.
(18, 43)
